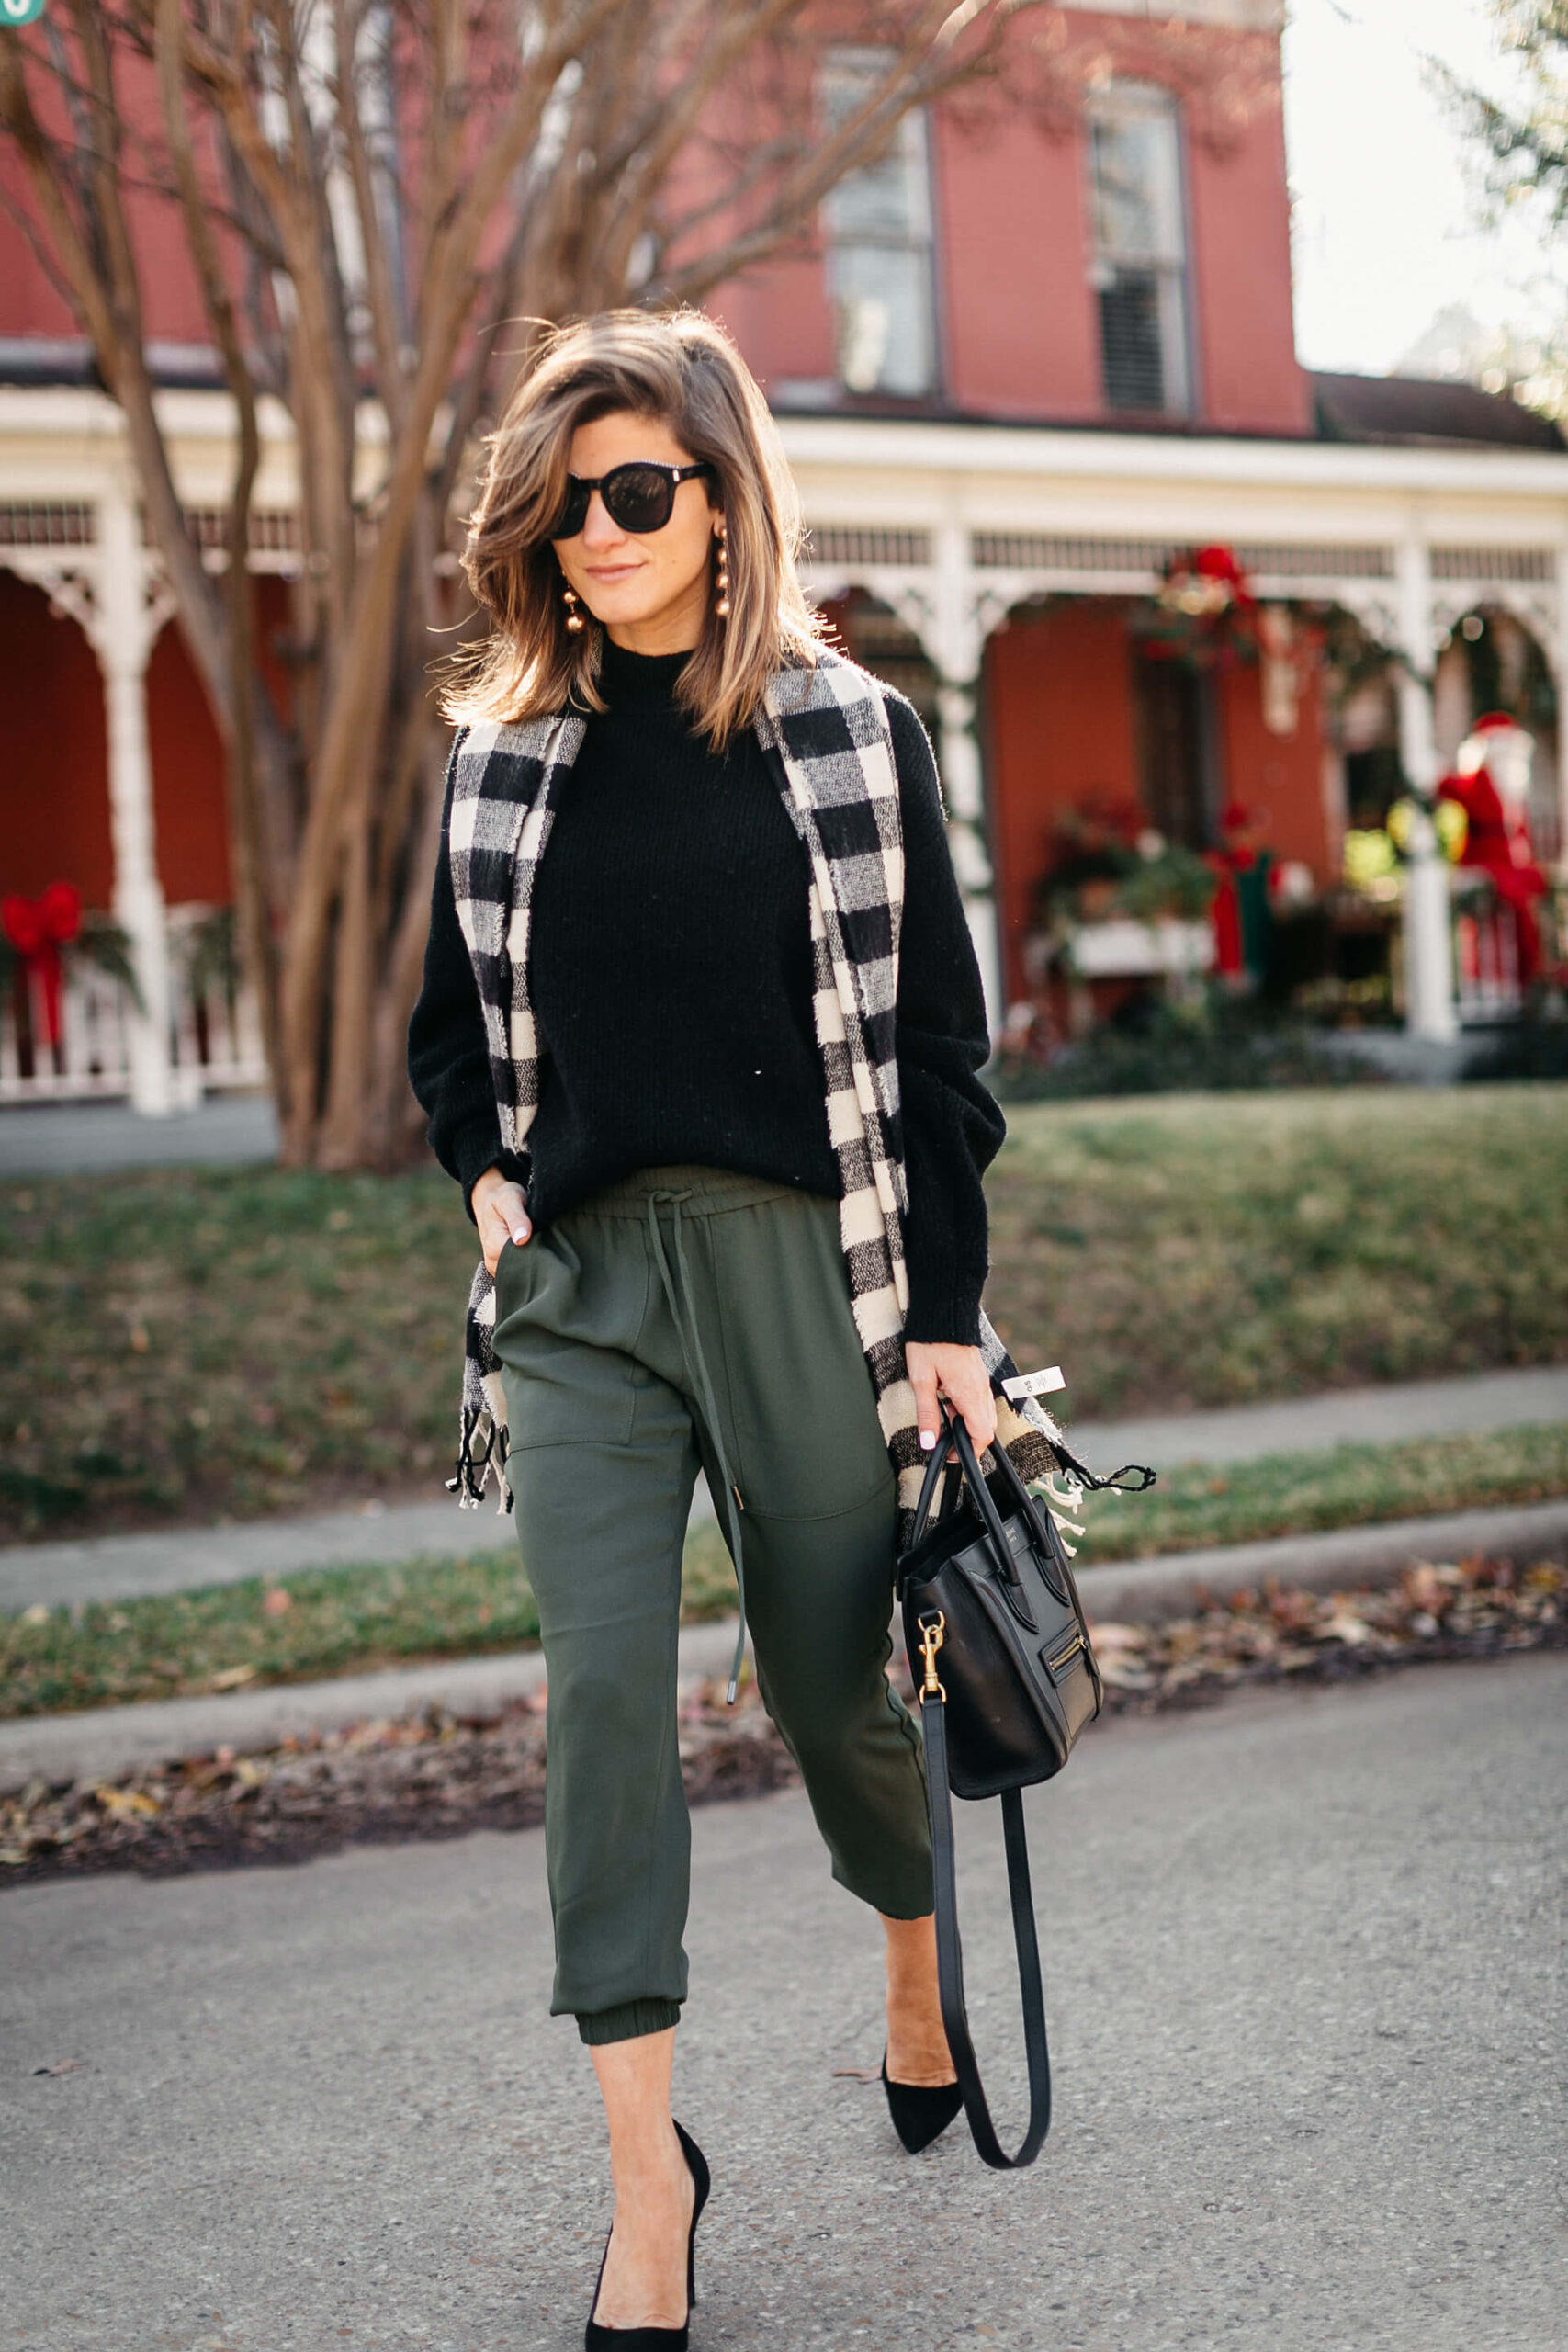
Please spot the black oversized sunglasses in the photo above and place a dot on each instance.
(639, 496)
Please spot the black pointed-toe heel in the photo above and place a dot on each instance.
(656, 2339)
(920, 2111)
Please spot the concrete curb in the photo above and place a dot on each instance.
(187, 1559)
(103, 1741)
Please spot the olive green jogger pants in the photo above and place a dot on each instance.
(687, 1315)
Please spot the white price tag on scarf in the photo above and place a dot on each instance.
(1033, 1384)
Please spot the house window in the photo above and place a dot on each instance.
(1140, 249)
(879, 245)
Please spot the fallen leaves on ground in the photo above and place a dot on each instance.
(1479, 1609)
(437, 1775)
(429, 1775)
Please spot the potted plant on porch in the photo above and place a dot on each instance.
(1119, 903)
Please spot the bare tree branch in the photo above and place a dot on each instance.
(42, 252)
(647, 160)
(929, 65)
(380, 293)
(257, 860)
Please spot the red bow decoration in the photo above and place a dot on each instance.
(38, 929)
(1205, 583)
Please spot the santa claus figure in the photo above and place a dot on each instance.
(1491, 782)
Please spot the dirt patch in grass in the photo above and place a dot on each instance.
(437, 1775)
(187, 1344)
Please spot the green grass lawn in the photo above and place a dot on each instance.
(342, 1621)
(189, 1344)
(1347, 1485)
(1218, 1249)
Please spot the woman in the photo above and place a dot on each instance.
(698, 1038)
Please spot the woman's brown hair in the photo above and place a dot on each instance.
(682, 368)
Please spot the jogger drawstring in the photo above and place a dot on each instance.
(696, 1367)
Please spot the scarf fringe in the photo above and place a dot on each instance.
(1035, 1445)
(1030, 1433)
(483, 1448)
(1116, 1482)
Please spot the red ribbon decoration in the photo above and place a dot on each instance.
(1219, 564)
(38, 929)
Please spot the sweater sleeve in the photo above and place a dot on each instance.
(952, 1127)
(448, 1057)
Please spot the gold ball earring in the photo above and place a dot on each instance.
(721, 582)
(573, 617)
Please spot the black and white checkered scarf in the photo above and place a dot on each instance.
(825, 735)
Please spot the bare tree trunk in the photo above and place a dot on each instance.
(253, 858)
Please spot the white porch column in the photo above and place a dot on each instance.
(958, 649)
(126, 625)
(1428, 950)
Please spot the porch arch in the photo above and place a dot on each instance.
(54, 796)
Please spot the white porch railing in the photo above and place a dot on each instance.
(214, 1043)
(93, 1056)
(1486, 961)
(1487, 981)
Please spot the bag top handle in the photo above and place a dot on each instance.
(954, 1432)
(936, 1470)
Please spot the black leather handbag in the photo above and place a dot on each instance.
(1006, 1676)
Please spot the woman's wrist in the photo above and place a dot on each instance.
(481, 1187)
(943, 1316)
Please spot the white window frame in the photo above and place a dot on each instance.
(865, 323)
(1165, 257)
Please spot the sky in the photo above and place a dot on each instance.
(1385, 232)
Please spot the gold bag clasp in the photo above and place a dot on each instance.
(932, 1629)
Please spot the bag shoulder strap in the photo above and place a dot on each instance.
(950, 1952)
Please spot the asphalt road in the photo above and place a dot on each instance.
(1304, 1958)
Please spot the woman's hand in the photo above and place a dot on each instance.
(501, 1214)
(959, 1374)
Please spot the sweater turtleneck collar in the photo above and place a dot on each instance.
(625, 676)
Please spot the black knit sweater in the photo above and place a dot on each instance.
(670, 963)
